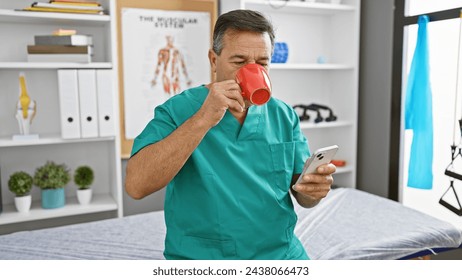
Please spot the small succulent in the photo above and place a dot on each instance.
(83, 177)
(51, 176)
(20, 183)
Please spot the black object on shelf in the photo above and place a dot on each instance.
(304, 115)
(316, 108)
(312, 107)
(331, 116)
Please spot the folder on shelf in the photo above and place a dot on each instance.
(105, 103)
(88, 103)
(69, 103)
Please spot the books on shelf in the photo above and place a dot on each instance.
(69, 40)
(66, 48)
(76, 6)
(53, 49)
(67, 5)
(56, 10)
(77, 2)
(62, 32)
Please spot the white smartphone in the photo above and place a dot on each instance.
(319, 157)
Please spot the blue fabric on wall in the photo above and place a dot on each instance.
(418, 113)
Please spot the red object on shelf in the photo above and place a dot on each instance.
(338, 162)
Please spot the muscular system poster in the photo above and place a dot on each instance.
(164, 53)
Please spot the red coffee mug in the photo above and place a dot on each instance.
(255, 83)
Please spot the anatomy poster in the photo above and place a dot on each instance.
(164, 53)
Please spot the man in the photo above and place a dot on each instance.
(228, 165)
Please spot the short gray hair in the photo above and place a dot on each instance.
(240, 20)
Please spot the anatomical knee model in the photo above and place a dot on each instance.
(25, 108)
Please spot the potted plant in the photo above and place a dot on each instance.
(52, 178)
(83, 178)
(20, 183)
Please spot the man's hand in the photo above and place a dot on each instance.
(222, 96)
(314, 187)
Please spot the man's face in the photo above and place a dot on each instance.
(240, 48)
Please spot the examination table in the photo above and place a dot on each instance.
(347, 224)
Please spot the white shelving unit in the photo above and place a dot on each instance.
(15, 15)
(308, 66)
(336, 124)
(54, 65)
(297, 7)
(17, 30)
(313, 30)
(49, 140)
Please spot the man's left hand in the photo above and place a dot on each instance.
(314, 187)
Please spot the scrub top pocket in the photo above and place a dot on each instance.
(282, 155)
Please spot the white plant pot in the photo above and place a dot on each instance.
(84, 196)
(23, 203)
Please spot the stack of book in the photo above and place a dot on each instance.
(68, 6)
(61, 48)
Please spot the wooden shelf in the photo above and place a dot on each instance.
(16, 16)
(55, 65)
(99, 203)
(49, 139)
(297, 7)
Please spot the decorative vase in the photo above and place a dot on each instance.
(53, 198)
(23, 203)
(84, 196)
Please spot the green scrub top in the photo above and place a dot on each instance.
(231, 198)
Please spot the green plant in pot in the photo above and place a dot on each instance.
(83, 178)
(20, 183)
(52, 178)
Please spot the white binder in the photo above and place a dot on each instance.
(88, 103)
(69, 104)
(106, 117)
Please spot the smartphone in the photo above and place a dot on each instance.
(318, 158)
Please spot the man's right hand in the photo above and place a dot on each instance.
(222, 96)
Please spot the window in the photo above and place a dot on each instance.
(443, 37)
